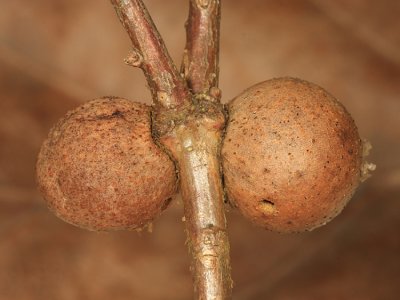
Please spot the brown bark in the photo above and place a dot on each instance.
(196, 145)
(201, 57)
(188, 121)
(150, 54)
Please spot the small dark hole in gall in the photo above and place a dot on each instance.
(266, 201)
(267, 206)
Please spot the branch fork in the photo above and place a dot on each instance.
(188, 120)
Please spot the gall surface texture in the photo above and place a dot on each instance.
(291, 155)
(99, 168)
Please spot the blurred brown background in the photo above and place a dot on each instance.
(55, 55)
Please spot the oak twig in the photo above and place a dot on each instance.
(197, 153)
(201, 57)
(188, 121)
(150, 54)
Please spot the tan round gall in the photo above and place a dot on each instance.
(99, 168)
(291, 155)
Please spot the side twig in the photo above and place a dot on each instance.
(201, 57)
(167, 86)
